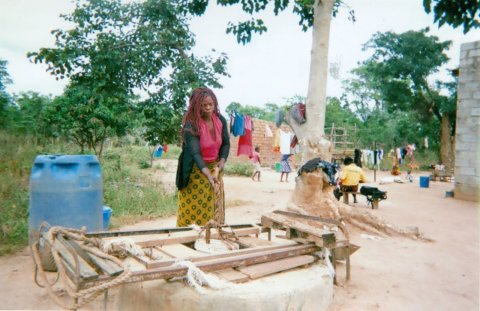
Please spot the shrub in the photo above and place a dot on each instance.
(240, 169)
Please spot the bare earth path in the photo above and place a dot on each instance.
(387, 274)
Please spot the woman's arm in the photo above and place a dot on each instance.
(225, 147)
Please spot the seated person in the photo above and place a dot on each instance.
(350, 176)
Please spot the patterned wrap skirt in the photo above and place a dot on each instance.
(285, 166)
(199, 202)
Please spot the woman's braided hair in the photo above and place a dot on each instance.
(193, 114)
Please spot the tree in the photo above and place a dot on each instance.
(116, 50)
(32, 117)
(266, 113)
(397, 75)
(312, 13)
(5, 99)
(454, 13)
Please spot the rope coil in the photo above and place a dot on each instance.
(89, 245)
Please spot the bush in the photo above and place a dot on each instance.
(172, 153)
(240, 169)
(143, 164)
(129, 192)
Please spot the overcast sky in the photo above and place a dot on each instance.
(274, 66)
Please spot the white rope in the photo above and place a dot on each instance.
(123, 243)
(328, 263)
(196, 278)
(215, 246)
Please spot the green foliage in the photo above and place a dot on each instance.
(131, 194)
(391, 87)
(239, 169)
(172, 153)
(17, 157)
(143, 164)
(244, 30)
(266, 113)
(5, 99)
(455, 13)
(31, 116)
(116, 49)
(339, 116)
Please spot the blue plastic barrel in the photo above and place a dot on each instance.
(65, 190)
(424, 181)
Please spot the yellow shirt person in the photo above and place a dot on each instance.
(351, 175)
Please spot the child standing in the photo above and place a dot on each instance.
(285, 167)
(256, 163)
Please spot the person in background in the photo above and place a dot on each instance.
(256, 163)
(285, 167)
(350, 176)
(205, 148)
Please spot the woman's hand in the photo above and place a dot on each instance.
(216, 172)
(211, 180)
(209, 176)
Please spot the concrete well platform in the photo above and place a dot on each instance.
(298, 289)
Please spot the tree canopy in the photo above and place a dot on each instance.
(4, 96)
(464, 13)
(397, 79)
(117, 50)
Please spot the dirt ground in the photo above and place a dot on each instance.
(387, 274)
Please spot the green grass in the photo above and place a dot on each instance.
(17, 154)
(131, 194)
(127, 189)
(239, 169)
(172, 153)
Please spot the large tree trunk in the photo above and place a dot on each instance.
(447, 143)
(311, 134)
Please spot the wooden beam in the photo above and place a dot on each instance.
(210, 265)
(181, 237)
(85, 271)
(164, 263)
(267, 268)
(232, 275)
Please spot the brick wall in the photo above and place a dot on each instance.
(268, 157)
(467, 153)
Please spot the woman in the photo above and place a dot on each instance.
(205, 148)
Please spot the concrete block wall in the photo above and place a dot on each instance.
(268, 157)
(467, 153)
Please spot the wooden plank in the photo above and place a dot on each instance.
(164, 263)
(86, 272)
(301, 230)
(107, 266)
(156, 254)
(180, 237)
(210, 265)
(232, 275)
(179, 251)
(248, 241)
(267, 268)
